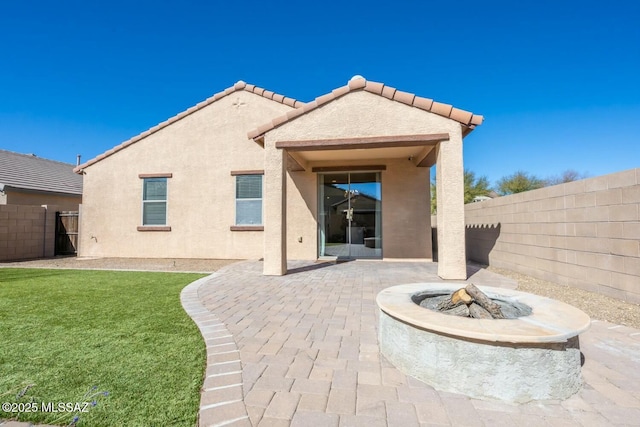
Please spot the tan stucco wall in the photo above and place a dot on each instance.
(450, 202)
(63, 202)
(584, 234)
(406, 222)
(200, 151)
(406, 225)
(406, 229)
(302, 214)
(275, 212)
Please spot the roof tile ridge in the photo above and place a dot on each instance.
(353, 84)
(282, 99)
(338, 92)
(239, 85)
(36, 157)
(463, 117)
(374, 87)
(58, 162)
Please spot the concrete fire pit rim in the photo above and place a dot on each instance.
(550, 321)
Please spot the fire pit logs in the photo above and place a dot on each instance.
(471, 302)
(467, 302)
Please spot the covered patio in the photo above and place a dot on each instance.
(366, 127)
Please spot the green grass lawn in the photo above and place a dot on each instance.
(65, 332)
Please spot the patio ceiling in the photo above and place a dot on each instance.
(417, 148)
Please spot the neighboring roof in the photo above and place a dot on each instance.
(29, 172)
(240, 85)
(465, 118)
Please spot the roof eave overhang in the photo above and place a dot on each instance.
(418, 148)
(466, 130)
(259, 140)
(363, 142)
(5, 187)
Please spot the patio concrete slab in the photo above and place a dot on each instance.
(307, 350)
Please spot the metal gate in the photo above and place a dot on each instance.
(66, 233)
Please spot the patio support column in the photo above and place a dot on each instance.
(450, 209)
(275, 212)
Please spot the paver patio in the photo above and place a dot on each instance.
(302, 350)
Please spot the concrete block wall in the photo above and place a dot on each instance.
(584, 234)
(27, 232)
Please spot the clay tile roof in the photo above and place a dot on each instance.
(29, 172)
(240, 85)
(465, 118)
(374, 87)
(357, 83)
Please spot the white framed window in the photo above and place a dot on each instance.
(154, 201)
(249, 199)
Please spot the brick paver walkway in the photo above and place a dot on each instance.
(302, 350)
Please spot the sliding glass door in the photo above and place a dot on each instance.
(349, 215)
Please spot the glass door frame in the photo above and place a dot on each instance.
(369, 234)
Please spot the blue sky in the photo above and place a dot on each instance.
(557, 81)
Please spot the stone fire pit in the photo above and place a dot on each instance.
(532, 357)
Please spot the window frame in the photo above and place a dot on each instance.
(248, 227)
(155, 227)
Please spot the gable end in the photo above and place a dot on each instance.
(467, 119)
(240, 85)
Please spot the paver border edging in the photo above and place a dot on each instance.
(221, 397)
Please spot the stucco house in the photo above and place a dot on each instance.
(26, 179)
(250, 174)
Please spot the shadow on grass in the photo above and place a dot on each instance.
(11, 274)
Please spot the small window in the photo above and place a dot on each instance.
(249, 200)
(154, 201)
